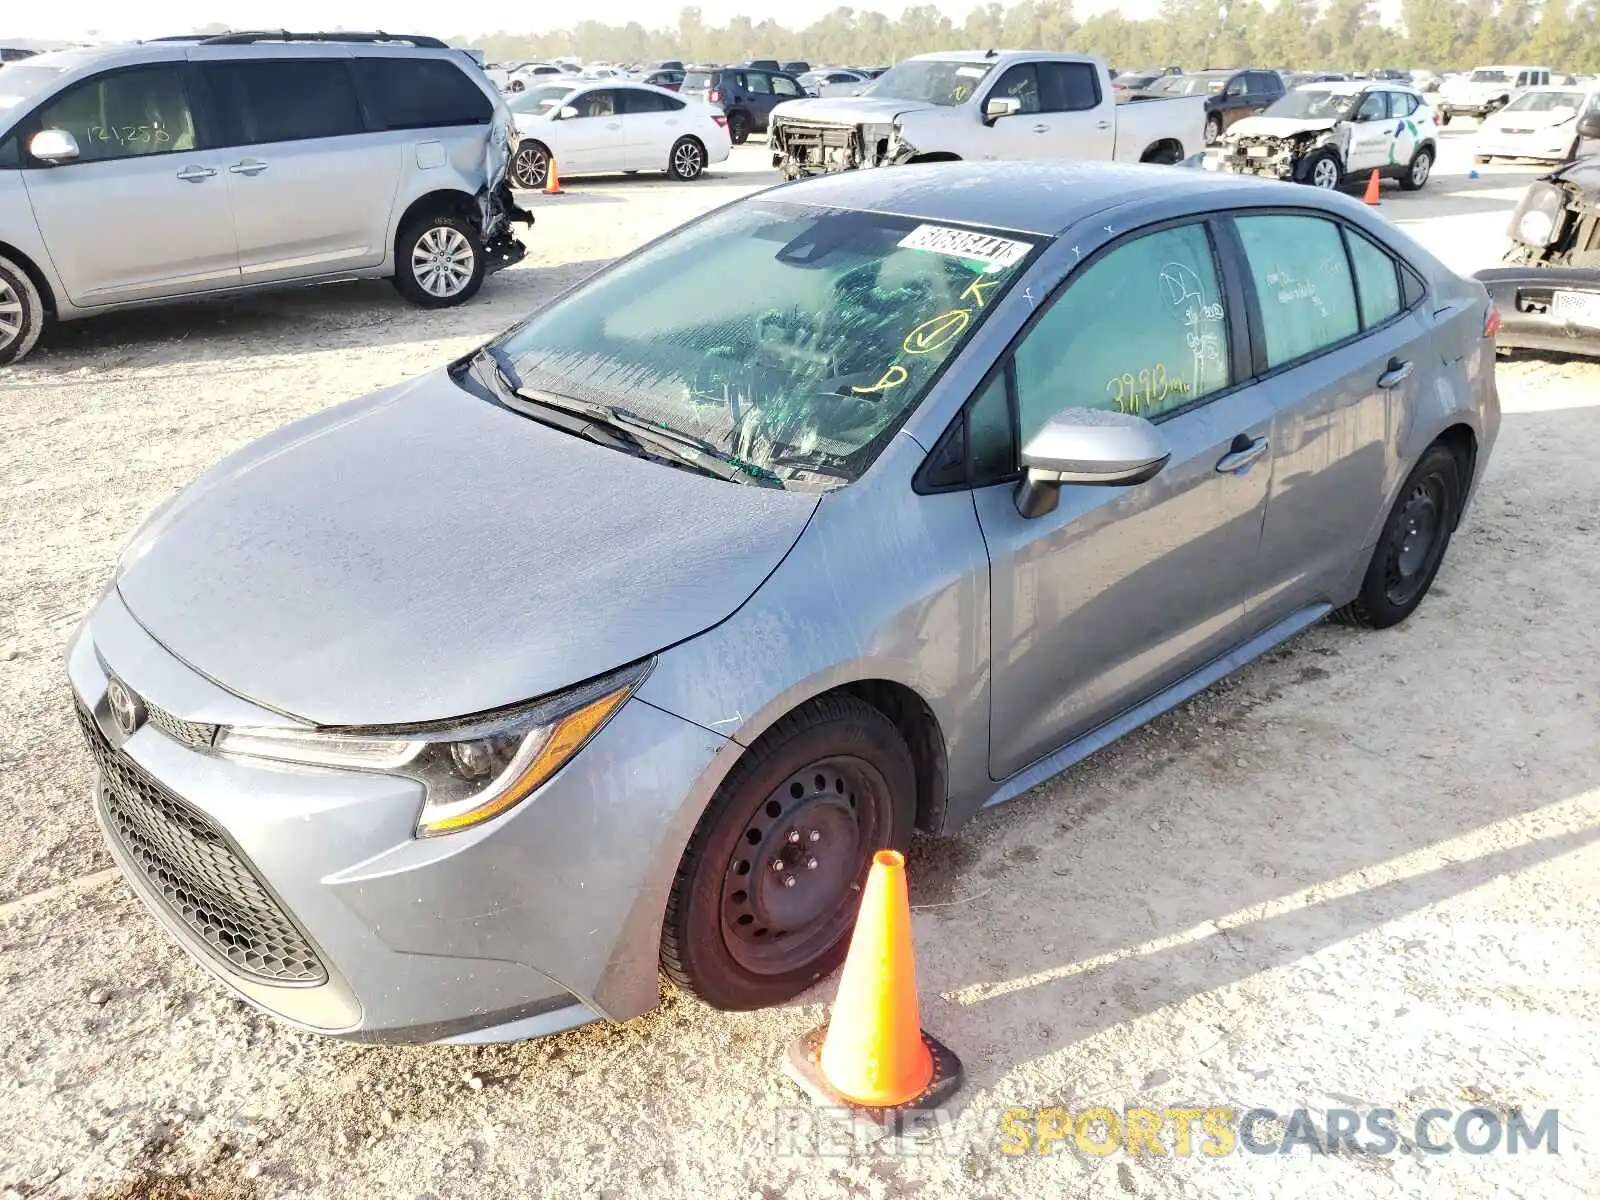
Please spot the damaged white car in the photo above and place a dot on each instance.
(1327, 133)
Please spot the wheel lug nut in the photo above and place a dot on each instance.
(811, 864)
(789, 881)
(777, 864)
(814, 836)
(794, 836)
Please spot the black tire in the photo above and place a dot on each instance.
(517, 85)
(1482, 159)
(22, 312)
(1316, 175)
(1213, 129)
(737, 933)
(1419, 171)
(530, 166)
(438, 238)
(1444, 117)
(687, 161)
(1402, 567)
(738, 128)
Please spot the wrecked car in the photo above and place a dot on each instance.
(1549, 291)
(984, 106)
(168, 170)
(1328, 133)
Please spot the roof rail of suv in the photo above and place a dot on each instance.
(250, 37)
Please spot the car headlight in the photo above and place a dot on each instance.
(1535, 221)
(474, 769)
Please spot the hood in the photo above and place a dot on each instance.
(1467, 89)
(1528, 119)
(422, 554)
(1279, 127)
(849, 110)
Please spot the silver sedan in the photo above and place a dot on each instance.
(461, 711)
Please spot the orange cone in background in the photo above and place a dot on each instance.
(873, 1058)
(1373, 187)
(552, 179)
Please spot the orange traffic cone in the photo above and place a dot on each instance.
(552, 179)
(872, 1059)
(1373, 187)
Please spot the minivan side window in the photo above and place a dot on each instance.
(421, 93)
(283, 100)
(1302, 284)
(124, 114)
(1141, 330)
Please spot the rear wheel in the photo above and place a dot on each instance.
(438, 261)
(687, 161)
(1411, 546)
(21, 312)
(767, 891)
(738, 128)
(1416, 176)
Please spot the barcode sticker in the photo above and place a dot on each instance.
(966, 243)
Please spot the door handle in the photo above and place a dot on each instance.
(1102, 125)
(1041, 129)
(195, 174)
(250, 166)
(1396, 374)
(1242, 454)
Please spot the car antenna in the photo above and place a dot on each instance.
(989, 54)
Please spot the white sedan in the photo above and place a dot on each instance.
(600, 128)
(1541, 122)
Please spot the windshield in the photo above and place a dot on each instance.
(1570, 102)
(930, 81)
(1490, 77)
(1314, 102)
(790, 338)
(696, 81)
(537, 101)
(1188, 85)
(20, 83)
(1135, 81)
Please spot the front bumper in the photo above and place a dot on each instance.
(1278, 162)
(804, 148)
(1528, 320)
(543, 919)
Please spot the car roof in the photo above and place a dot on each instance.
(1027, 197)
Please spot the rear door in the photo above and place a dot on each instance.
(1341, 354)
(759, 98)
(143, 212)
(311, 189)
(650, 124)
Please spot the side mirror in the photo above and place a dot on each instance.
(53, 146)
(567, 112)
(1001, 106)
(1589, 125)
(1088, 446)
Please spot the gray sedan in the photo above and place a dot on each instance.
(461, 711)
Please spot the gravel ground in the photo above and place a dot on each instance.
(1361, 872)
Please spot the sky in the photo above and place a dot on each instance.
(116, 19)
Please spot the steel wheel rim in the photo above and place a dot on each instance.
(1325, 174)
(1415, 543)
(442, 261)
(832, 812)
(1420, 169)
(530, 167)
(11, 314)
(686, 158)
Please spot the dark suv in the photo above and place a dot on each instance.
(747, 95)
(1230, 95)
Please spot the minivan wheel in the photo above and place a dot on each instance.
(1411, 546)
(21, 312)
(738, 128)
(439, 261)
(767, 891)
(530, 166)
(687, 160)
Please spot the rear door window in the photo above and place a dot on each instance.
(124, 114)
(637, 100)
(421, 93)
(757, 83)
(284, 100)
(1302, 284)
(1069, 86)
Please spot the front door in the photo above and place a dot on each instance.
(312, 191)
(1372, 134)
(1063, 114)
(142, 212)
(593, 141)
(1121, 591)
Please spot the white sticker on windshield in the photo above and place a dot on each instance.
(972, 72)
(998, 252)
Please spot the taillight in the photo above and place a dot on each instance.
(720, 119)
(714, 95)
(1491, 320)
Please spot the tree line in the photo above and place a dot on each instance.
(1304, 34)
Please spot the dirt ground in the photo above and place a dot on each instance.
(1362, 872)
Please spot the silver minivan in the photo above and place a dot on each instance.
(164, 170)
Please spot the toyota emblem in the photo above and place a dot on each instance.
(126, 710)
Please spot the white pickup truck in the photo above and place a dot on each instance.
(1485, 90)
(984, 106)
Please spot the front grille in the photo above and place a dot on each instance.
(200, 878)
(190, 733)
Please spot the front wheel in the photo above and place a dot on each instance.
(439, 261)
(1416, 176)
(767, 891)
(21, 312)
(530, 167)
(687, 160)
(738, 128)
(1213, 130)
(1411, 546)
(1324, 172)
